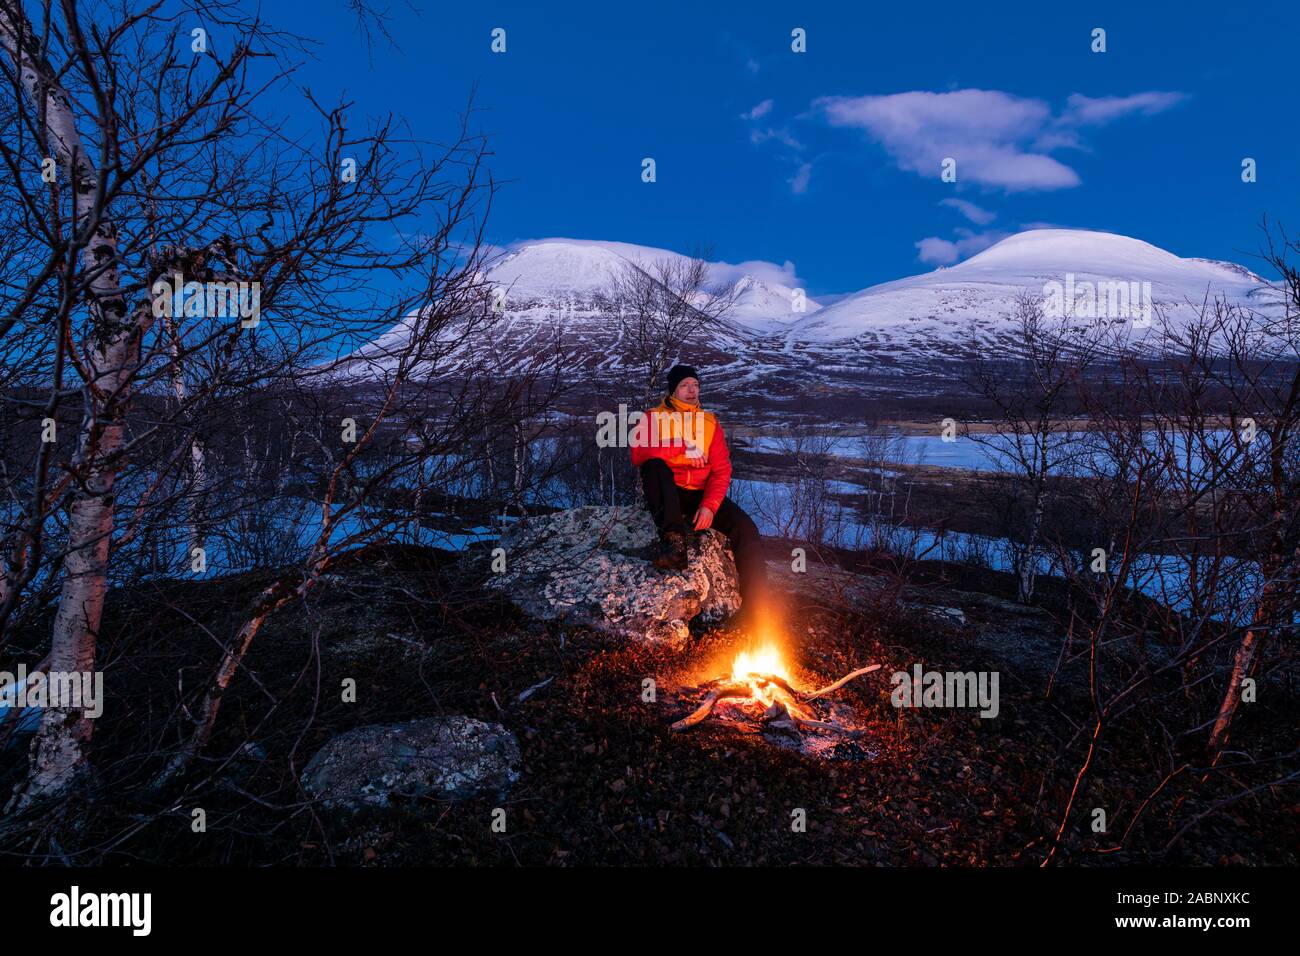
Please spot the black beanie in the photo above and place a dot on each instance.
(679, 372)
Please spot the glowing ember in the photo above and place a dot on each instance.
(759, 677)
(751, 666)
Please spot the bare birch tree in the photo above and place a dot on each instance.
(1033, 391)
(662, 305)
(172, 168)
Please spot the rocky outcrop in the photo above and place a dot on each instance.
(443, 758)
(590, 566)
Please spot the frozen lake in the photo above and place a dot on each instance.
(992, 453)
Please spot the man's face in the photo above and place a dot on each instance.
(688, 390)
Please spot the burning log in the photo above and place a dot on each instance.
(828, 689)
(706, 708)
(759, 678)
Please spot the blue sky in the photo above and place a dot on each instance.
(828, 160)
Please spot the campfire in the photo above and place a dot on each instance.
(760, 686)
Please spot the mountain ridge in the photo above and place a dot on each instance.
(901, 333)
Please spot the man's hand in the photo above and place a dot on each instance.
(703, 518)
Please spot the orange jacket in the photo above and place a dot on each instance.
(691, 442)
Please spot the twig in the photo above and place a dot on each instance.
(524, 695)
(830, 689)
(824, 725)
(744, 690)
(801, 695)
(706, 708)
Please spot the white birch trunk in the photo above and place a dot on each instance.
(517, 485)
(197, 496)
(1029, 565)
(59, 750)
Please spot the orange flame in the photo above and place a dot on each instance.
(765, 661)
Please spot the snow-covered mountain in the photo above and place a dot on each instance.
(555, 299)
(559, 270)
(972, 303)
(556, 308)
(767, 306)
(576, 273)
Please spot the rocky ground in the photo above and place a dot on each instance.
(575, 766)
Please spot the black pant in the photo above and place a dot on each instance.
(673, 508)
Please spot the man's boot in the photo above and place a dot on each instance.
(671, 553)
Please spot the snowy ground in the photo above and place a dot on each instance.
(990, 453)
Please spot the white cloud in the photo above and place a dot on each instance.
(976, 214)
(999, 140)
(782, 135)
(1096, 111)
(760, 133)
(799, 182)
(760, 269)
(944, 252)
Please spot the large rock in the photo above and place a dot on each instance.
(447, 758)
(590, 566)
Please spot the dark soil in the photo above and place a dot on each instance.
(604, 780)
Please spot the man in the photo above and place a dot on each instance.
(685, 470)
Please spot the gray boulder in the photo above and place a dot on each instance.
(445, 758)
(590, 566)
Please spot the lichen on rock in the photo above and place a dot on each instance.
(443, 758)
(590, 566)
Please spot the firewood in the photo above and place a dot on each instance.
(780, 682)
(781, 715)
(802, 695)
(824, 725)
(706, 708)
(831, 688)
